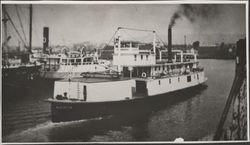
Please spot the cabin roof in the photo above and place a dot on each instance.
(92, 80)
(130, 41)
(161, 63)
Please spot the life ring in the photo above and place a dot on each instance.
(165, 72)
(144, 75)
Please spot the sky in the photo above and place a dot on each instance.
(76, 23)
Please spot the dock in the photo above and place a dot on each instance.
(235, 110)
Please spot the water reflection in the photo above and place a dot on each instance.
(175, 121)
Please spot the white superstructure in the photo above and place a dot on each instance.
(157, 76)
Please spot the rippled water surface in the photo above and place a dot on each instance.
(191, 115)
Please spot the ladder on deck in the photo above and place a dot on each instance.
(78, 90)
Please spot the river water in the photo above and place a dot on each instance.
(192, 116)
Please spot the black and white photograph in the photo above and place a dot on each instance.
(124, 71)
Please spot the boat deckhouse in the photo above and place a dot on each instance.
(134, 62)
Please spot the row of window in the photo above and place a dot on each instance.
(77, 60)
(85, 63)
(127, 45)
(164, 68)
(188, 79)
(142, 57)
(169, 81)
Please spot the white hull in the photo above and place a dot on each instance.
(175, 83)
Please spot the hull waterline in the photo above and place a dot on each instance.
(70, 111)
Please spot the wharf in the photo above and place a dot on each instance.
(235, 110)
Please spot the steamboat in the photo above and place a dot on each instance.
(140, 77)
(67, 63)
(71, 64)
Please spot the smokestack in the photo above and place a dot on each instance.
(169, 44)
(45, 39)
(185, 40)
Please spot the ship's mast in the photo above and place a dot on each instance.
(185, 42)
(154, 42)
(30, 28)
(5, 31)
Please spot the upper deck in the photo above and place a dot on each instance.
(92, 80)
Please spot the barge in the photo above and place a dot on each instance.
(140, 79)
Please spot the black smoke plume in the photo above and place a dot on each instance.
(195, 12)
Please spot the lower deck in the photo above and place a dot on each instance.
(106, 90)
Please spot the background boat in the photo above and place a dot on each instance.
(17, 66)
